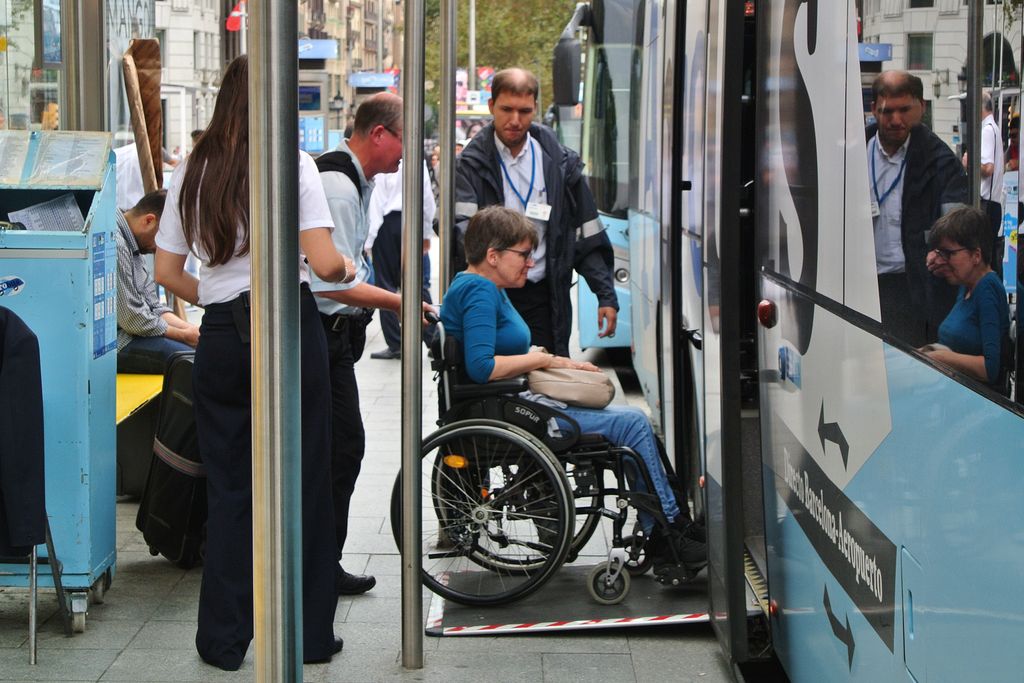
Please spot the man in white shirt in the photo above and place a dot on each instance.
(345, 309)
(992, 179)
(385, 243)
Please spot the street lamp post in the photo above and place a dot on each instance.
(337, 106)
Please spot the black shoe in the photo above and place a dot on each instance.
(689, 551)
(335, 649)
(387, 354)
(353, 584)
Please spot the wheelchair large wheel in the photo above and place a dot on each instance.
(497, 513)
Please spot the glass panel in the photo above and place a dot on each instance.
(30, 52)
(606, 109)
(917, 143)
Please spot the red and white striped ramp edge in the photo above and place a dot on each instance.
(435, 621)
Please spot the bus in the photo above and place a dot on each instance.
(862, 496)
(605, 150)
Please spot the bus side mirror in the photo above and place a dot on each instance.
(565, 69)
(566, 72)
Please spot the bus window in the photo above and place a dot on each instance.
(914, 140)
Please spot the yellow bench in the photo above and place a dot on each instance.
(135, 391)
(137, 414)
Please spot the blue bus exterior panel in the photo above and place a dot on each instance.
(586, 301)
(909, 560)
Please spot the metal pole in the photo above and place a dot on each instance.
(83, 85)
(274, 327)
(471, 80)
(975, 19)
(380, 36)
(412, 331)
(446, 179)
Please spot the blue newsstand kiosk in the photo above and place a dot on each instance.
(61, 283)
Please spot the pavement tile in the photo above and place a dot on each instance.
(379, 610)
(165, 635)
(566, 668)
(140, 666)
(580, 643)
(684, 653)
(55, 664)
(112, 636)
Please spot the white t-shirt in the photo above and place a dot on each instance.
(387, 198)
(129, 177)
(992, 153)
(218, 284)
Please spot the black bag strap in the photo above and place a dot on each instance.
(340, 162)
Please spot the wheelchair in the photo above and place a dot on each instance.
(507, 498)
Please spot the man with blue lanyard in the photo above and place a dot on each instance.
(522, 166)
(913, 178)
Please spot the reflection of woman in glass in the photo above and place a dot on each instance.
(972, 335)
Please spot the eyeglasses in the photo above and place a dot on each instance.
(527, 254)
(946, 254)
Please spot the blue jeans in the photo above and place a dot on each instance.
(148, 355)
(628, 426)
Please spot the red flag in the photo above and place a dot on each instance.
(234, 22)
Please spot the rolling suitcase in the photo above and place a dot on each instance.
(172, 512)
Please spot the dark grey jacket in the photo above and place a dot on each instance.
(575, 237)
(22, 479)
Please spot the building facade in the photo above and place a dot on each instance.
(929, 39)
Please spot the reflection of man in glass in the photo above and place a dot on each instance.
(913, 178)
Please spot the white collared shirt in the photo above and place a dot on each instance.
(519, 170)
(883, 171)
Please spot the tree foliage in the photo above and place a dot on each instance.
(522, 33)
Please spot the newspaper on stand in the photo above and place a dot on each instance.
(58, 215)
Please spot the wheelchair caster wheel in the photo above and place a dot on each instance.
(603, 591)
(638, 560)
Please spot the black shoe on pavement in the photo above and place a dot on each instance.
(353, 584)
(387, 354)
(335, 649)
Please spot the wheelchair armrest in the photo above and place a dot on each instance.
(515, 385)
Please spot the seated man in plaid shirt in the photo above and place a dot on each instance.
(147, 331)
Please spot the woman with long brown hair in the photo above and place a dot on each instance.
(208, 214)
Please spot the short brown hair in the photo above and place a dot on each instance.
(967, 226)
(896, 83)
(515, 81)
(496, 228)
(383, 109)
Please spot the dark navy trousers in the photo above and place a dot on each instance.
(387, 274)
(346, 337)
(221, 387)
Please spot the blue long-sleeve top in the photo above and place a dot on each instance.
(479, 314)
(978, 324)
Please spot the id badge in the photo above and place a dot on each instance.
(540, 212)
(875, 211)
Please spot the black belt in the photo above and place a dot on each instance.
(340, 322)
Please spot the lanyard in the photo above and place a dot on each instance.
(533, 176)
(874, 180)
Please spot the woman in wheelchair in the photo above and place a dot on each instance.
(495, 341)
